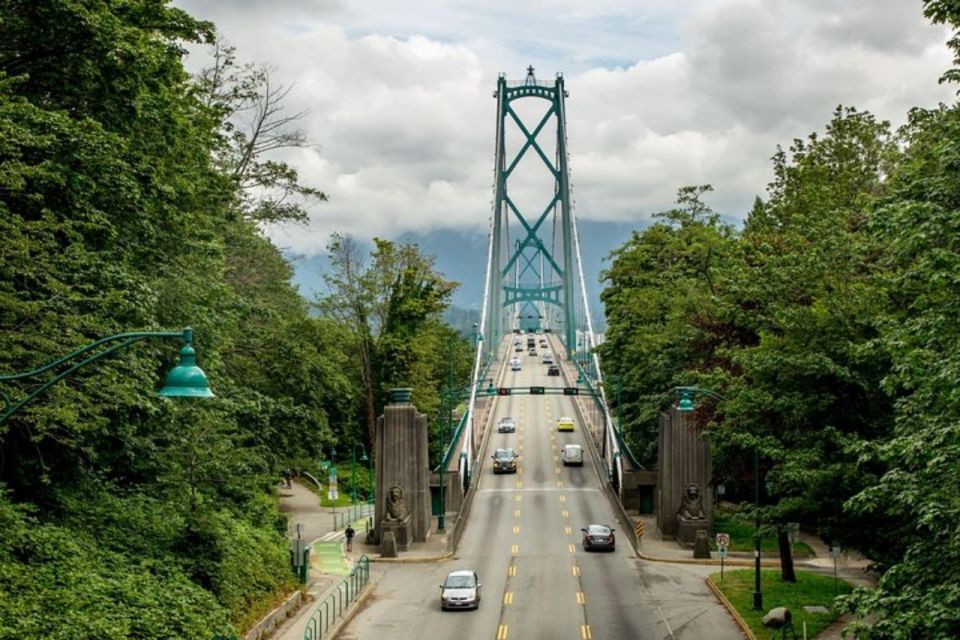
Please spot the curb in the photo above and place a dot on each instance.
(747, 633)
(425, 560)
(769, 564)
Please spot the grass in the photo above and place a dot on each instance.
(741, 537)
(810, 589)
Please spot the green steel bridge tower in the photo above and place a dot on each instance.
(532, 262)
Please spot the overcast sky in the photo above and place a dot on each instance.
(662, 94)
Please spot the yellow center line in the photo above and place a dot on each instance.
(516, 514)
(556, 458)
(557, 470)
(516, 529)
(572, 548)
(575, 570)
(581, 598)
(508, 597)
(565, 513)
(519, 483)
(563, 498)
(584, 632)
(568, 531)
(512, 570)
(560, 483)
(502, 632)
(520, 447)
(518, 498)
(515, 548)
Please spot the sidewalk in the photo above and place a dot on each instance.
(329, 560)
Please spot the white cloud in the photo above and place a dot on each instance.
(399, 95)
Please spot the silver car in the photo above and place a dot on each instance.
(572, 454)
(461, 590)
(506, 425)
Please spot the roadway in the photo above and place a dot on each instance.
(524, 541)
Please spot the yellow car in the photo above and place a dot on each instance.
(565, 423)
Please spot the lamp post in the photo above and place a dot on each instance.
(186, 380)
(686, 405)
(353, 470)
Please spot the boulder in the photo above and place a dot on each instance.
(777, 617)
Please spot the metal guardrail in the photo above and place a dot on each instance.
(352, 513)
(334, 605)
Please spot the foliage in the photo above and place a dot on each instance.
(828, 328)
(130, 198)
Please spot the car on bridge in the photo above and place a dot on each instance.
(461, 590)
(547, 359)
(565, 423)
(572, 454)
(506, 425)
(515, 364)
(505, 460)
(598, 536)
(553, 370)
(532, 351)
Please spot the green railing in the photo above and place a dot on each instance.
(345, 515)
(455, 437)
(335, 604)
(586, 379)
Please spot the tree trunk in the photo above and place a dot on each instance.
(787, 573)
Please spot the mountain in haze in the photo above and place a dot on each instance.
(461, 256)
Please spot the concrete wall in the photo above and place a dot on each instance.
(683, 458)
(401, 459)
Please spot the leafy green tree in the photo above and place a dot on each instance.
(392, 305)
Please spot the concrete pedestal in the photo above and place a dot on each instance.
(400, 532)
(687, 530)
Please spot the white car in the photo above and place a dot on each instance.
(572, 454)
(547, 359)
(461, 590)
(515, 364)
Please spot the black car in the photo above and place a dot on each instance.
(553, 370)
(598, 536)
(505, 461)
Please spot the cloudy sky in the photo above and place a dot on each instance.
(662, 94)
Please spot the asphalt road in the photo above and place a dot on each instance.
(524, 541)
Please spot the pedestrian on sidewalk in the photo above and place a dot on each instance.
(350, 533)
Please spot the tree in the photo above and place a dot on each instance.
(253, 126)
(390, 304)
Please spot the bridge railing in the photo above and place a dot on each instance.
(334, 605)
(352, 513)
(613, 426)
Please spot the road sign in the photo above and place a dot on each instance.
(570, 391)
(723, 539)
(503, 391)
(536, 391)
(723, 552)
(638, 528)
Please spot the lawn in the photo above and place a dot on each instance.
(741, 537)
(810, 589)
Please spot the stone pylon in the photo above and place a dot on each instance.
(683, 458)
(402, 461)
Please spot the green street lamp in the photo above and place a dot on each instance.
(186, 380)
(353, 471)
(686, 405)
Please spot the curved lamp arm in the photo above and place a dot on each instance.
(687, 394)
(186, 379)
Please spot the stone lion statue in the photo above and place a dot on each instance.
(396, 503)
(691, 508)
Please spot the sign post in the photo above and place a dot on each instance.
(723, 541)
(835, 552)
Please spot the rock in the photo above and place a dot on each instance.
(777, 617)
